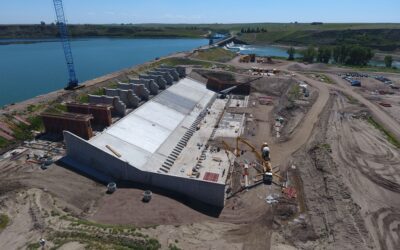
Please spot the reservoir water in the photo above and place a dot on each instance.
(28, 70)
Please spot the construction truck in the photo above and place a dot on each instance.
(244, 59)
(262, 155)
(248, 58)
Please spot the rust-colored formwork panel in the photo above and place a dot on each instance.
(101, 112)
(77, 124)
(208, 176)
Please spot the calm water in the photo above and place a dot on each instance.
(28, 70)
(268, 50)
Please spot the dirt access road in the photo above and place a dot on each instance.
(283, 151)
(381, 116)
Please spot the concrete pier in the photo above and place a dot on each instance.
(119, 108)
(128, 97)
(159, 80)
(171, 71)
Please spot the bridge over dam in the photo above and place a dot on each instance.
(228, 40)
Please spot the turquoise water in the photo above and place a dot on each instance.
(28, 70)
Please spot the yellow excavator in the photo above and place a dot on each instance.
(262, 156)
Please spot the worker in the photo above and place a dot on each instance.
(265, 152)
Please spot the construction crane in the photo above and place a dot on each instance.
(62, 26)
(266, 170)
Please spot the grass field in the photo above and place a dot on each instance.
(390, 137)
(128, 31)
(215, 54)
(381, 36)
(3, 221)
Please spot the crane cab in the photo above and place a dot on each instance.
(267, 178)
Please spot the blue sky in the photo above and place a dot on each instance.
(202, 11)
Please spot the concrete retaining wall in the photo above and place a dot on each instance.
(119, 108)
(84, 153)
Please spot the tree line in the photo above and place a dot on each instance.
(253, 30)
(341, 54)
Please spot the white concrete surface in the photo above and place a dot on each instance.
(141, 133)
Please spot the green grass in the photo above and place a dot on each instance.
(171, 61)
(322, 77)
(3, 142)
(4, 220)
(215, 54)
(36, 123)
(351, 99)
(83, 98)
(100, 236)
(183, 61)
(295, 92)
(110, 30)
(103, 241)
(23, 132)
(33, 246)
(98, 225)
(173, 247)
(326, 79)
(34, 108)
(370, 68)
(383, 37)
(61, 107)
(389, 136)
(99, 91)
(325, 146)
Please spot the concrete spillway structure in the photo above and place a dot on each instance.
(143, 141)
(119, 108)
(181, 70)
(140, 90)
(171, 71)
(151, 85)
(126, 96)
(159, 80)
(167, 77)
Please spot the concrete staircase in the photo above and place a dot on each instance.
(169, 162)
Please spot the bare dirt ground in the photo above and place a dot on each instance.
(370, 166)
(377, 112)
